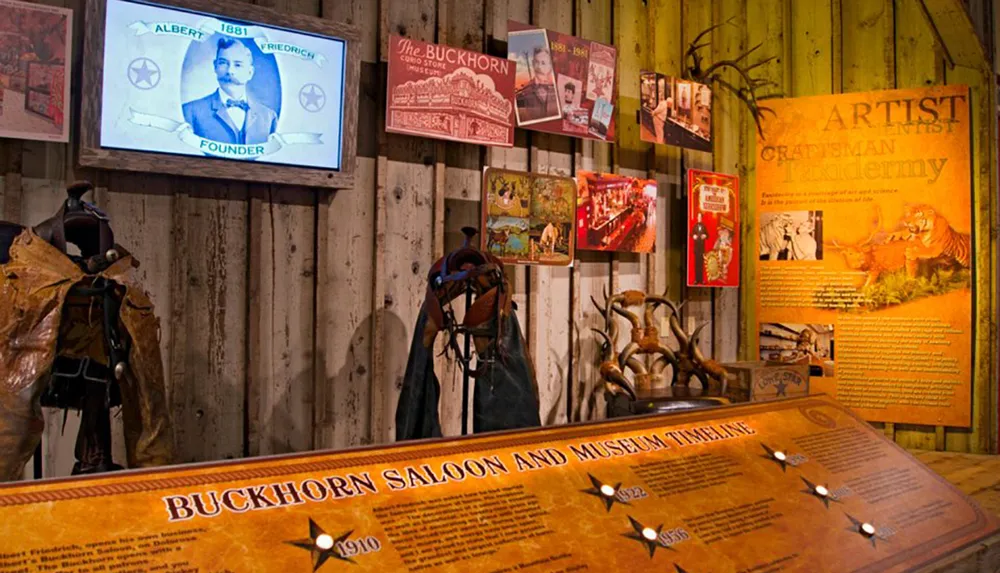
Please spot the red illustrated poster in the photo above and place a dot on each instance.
(713, 229)
(448, 93)
(564, 84)
(615, 213)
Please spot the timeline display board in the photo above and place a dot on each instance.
(865, 249)
(776, 486)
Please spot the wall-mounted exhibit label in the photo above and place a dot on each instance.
(448, 93)
(864, 209)
(564, 84)
(667, 493)
(713, 229)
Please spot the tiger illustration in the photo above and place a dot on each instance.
(929, 236)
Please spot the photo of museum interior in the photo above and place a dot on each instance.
(496, 286)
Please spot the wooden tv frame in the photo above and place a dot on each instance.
(92, 154)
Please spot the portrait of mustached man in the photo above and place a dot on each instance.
(229, 114)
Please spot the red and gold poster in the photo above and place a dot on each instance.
(794, 485)
(864, 222)
(564, 84)
(448, 93)
(528, 217)
(713, 229)
(615, 213)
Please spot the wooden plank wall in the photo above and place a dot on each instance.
(287, 312)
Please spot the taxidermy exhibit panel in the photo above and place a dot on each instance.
(864, 233)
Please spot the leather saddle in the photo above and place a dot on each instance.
(506, 394)
(83, 384)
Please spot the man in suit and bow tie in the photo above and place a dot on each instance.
(227, 115)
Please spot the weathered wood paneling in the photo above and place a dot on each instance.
(592, 271)
(696, 17)
(345, 244)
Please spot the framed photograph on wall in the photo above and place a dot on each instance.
(615, 213)
(35, 51)
(220, 90)
(675, 112)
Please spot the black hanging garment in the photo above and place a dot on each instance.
(506, 394)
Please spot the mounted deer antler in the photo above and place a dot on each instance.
(748, 93)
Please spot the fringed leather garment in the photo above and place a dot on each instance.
(506, 394)
(77, 333)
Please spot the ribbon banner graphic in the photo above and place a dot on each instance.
(186, 134)
(210, 26)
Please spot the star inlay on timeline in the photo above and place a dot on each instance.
(647, 536)
(865, 529)
(322, 545)
(777, 456)
(820, 492)
(607, 493)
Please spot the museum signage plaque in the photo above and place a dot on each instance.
(777, 486)
(865, 247)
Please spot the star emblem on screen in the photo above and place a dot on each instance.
(312, 98)
(321, 545)
(144, 73)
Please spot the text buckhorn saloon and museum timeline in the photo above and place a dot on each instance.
(240, 500)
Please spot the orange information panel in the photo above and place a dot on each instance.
(863, 231)
(794, 485)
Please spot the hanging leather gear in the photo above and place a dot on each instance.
(506, 394)
(77, 332)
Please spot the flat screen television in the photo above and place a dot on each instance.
(219, 90)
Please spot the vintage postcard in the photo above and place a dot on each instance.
(528, 217)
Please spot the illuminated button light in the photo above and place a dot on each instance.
(780, 456)
(821, 491)
(607, 491)
(649, 533)
(324, 541)
(867, 529)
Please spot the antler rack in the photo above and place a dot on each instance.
(748, 93)
(645, 340)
